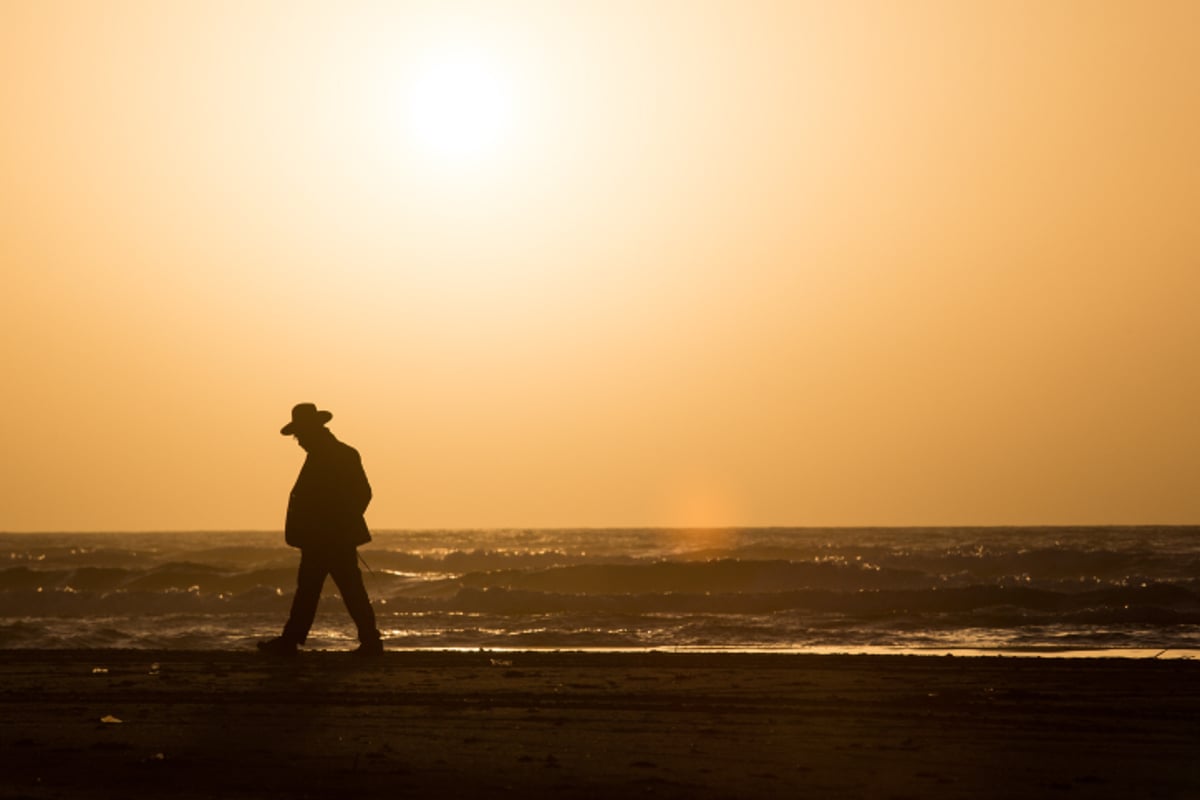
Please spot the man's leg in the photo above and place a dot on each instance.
(348, 578)
(310, 578)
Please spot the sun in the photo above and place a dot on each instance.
(460, 107)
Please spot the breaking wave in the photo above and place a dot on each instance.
(1026, 587)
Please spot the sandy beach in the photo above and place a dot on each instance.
(486, 724)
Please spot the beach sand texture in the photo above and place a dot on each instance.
(595, 725)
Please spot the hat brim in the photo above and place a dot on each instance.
(316, 421)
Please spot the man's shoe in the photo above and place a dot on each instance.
(278, 646)
(369, 649)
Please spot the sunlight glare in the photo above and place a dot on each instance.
(461, 106)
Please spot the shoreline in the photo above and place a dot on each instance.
(1133, 653)
(1117, 653)
(591, 725)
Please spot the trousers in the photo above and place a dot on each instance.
(342, 564)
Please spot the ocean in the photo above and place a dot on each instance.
(1082, 590)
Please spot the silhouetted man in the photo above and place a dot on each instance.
(325, 520)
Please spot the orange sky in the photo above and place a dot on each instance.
(734, 263)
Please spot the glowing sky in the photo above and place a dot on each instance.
(591, 264)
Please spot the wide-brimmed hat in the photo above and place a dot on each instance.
(305, 417)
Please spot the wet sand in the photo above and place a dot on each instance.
(596, 725)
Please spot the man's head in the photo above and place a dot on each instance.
(307, 424)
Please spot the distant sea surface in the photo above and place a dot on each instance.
(1120, 591)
